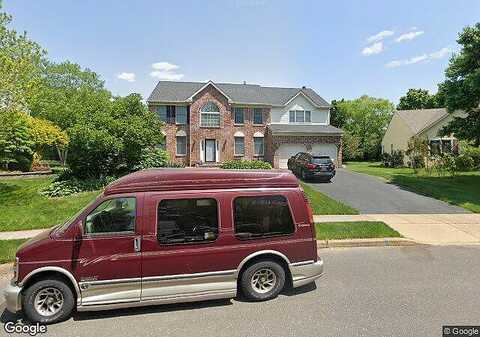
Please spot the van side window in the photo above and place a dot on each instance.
(262, 216)
(187, 220)
(112, 216)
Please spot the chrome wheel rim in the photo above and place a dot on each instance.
(48, 301)
(263, 280)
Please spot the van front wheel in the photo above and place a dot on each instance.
(262, 281)
(48, 301)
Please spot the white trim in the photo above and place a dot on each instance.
(240, 134)
(263, 147)
(258, 134)
(181, 133)
(308, 99)
(176, 145)
(206, 85)
(235, 145)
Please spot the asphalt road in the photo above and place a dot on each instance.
(388, 291)
(372, 195)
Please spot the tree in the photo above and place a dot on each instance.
(419, 99)
(21, 61)
(367, 119)
(16, 146)
(461, 87)
(338, 118)
(44, 133)
(417, 152)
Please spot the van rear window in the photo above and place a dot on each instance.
(187, 221)
(262, 216)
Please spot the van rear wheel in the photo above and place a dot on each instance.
(48, 301)
(262, 281)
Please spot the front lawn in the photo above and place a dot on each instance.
(354, 230)
(462, 190)
(8, 249)
(22, 207)
(321, 204)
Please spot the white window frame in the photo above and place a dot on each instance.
(263, 147)
(304, 113)
(261, 114)
(176, 146)
(176, 115)
(235, 109)
(235, 153)
(204, 113)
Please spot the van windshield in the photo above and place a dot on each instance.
(63, 227)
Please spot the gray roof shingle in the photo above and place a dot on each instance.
(304, 128)
(169, 91)
(418, 120)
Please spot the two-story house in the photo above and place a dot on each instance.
(208, 123)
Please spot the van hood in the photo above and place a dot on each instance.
(35, 243)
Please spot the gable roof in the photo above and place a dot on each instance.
(421, 119)
(181, 92)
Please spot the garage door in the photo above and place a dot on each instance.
(325, 150)
(285, 151)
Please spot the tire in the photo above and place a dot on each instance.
(49, 289)
(269, 290)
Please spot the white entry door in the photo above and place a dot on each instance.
(210, 153)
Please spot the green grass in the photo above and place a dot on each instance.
(8, 249)
(321, 204)
(354, 230)
(462, 190)
(22, 207)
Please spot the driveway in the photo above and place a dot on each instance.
(372, 195)
(387, 291)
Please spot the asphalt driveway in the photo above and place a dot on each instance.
(372, 195)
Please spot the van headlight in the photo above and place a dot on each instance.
(15, 269)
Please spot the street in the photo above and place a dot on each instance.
(388, 291)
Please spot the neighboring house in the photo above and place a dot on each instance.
(425, 123)
(208, 123)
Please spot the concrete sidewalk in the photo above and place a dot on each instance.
(437, 229)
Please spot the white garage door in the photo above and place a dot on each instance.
(325, 150)
(285, 151)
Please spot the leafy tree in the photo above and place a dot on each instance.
(338, 118)
(462, 86)
(44, 133)
(351, 147)
(367, 119)
(16, 146)
(417, 152)
(20, 64)
(419, 99)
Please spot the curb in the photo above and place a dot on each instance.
(380, 242)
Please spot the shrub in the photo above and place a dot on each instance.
(393, 160)
(473, 152)
(464, 162)
(445, 163)
(246, 164)
(62, 188)
(152, 157)
(417, 151)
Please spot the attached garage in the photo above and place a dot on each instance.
(325, 150)
(285, 151)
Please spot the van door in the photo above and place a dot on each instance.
(107, 259)
(182, 252)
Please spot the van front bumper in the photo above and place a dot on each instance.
(13, 297)
(306, 272)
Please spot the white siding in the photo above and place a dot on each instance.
(281, 114)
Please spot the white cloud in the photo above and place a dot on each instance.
(375, 48)
(164, 66)
(380, 36)
(410, 35)
(166, 75)
(420, 59)
(440, 53)
(130, 77)
(165, 71)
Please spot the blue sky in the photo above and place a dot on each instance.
(339, 48)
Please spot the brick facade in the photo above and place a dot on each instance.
(224, 135)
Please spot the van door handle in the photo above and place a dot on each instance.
(137, 246)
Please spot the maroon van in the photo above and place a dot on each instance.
(170, 235)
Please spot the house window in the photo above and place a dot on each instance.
(181, 115)
(258, 146)
(162, 113)
(210, 115)
(239, 148)
(257, 116)
(262, 216)
(181, 145)
(239, 115)
(182, 221)
(300, 116)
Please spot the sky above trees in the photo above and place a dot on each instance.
(341, 49)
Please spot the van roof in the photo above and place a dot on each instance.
(169, 179)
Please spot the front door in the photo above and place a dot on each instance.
(210, 153)
(107, 258)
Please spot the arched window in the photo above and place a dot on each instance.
(210, 115)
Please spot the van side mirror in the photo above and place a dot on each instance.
(78, 233)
